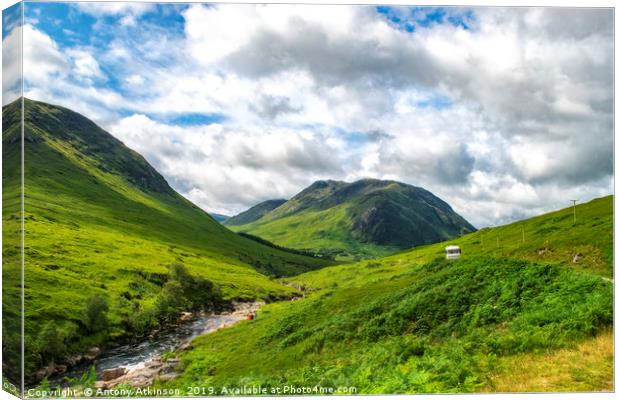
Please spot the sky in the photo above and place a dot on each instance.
(504, 113)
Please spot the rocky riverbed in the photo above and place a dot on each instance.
(140, 364)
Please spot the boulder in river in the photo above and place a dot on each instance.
(92, 353)
(153, 364)
(101, 385)
(113, 373)
(186, 316)
(74, 360)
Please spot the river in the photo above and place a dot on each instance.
(134, 356)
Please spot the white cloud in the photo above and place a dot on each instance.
(224, 168)
(64, 76)
(512, 116)
(12, 65)
(84, 65)
(43, 61)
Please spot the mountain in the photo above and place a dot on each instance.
(364, 218)
(101, 221)
(517, 313)
(254, 213)
(219, 217)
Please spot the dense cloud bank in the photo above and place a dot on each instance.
(503, 112)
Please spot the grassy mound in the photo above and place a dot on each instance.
(439, 327)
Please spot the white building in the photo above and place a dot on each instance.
(453, 252)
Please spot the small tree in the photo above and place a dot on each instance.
(141, 320)
(184, 291)
(95, 314)
(171, 300)
(51, 342)
(178, 272)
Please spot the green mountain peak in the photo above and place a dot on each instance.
(362, 218)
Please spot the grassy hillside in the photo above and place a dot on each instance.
(367, 218)
(549, 238)
(417, 323)
(11, 252)
(439, 327)
(100, 220)
(254, 213)
(324, 232)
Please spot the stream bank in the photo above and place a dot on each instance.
(139, 364)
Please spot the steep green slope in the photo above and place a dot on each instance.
(11, 254)
(417, 323)
(84, 163)
(100, 220)
(254, 213)
(365, 218)
(550, 238)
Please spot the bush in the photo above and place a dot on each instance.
(51, 342)
(183, 292)
(140, 321)
(170, 301)
(95, 315)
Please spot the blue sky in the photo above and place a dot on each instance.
(10, 18)
(412, 18)
(236, 104)
(70, 27)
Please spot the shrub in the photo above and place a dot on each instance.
(141, 320)
(184, 291)
(51, 342)
(95, 314)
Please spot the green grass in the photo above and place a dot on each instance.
(11, 256)
(587, 367)
(323, 231)
(437, 327)
(550, 238)
(100, 220)
(368, 218)
(415, 323)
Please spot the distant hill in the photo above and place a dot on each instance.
(254, 213)
(100, 220)
(365, 218)
(219, 217)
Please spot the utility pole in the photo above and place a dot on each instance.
(574, 211)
